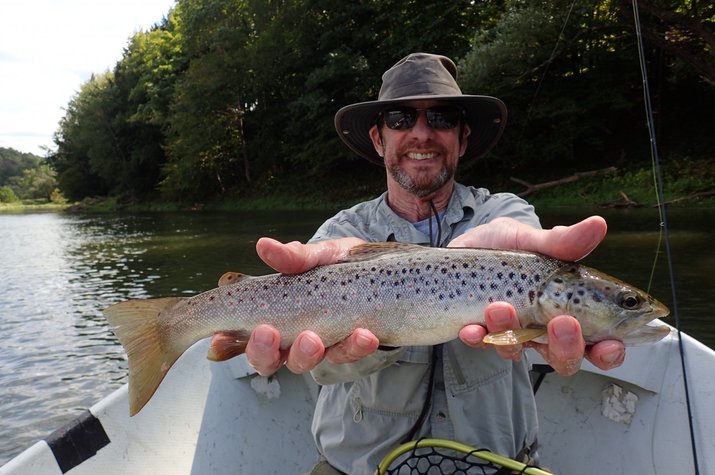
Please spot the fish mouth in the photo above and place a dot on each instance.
(636, 322)
(645, 334)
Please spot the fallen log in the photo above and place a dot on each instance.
(627, 202)
(534, 187)
(700, 194)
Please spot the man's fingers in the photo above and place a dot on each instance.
(501, 316)
(263, 350)
(473, 335)
(607, 354)
(295, 257)
(566, 346)
(572, 243)
(306, 351)
(569, 243)
(359, 344)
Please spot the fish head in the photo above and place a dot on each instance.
(606, 307)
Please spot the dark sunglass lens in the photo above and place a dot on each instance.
(400, 119)
(446, 117)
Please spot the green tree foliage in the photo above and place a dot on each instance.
(35, 183)
(225, 97)
(111, 139)
(87, 159)
(25, 176)
(145, 79)
(569, 73)
(205, 138)
(13, 163)
(7, 195)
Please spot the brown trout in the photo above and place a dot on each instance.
(405, 294)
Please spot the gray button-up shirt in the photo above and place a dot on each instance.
(366, 408)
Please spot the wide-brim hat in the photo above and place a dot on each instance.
(421, 76)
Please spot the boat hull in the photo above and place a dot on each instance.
(223, 418)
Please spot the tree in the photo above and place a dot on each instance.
(145, 79)
(225, 97)
(88, 159)
(205, 133)
(7, 195)
(13, 163)
(35, 183)
(569, 74)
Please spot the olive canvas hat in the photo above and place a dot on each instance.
(421, 76)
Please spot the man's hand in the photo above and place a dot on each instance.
(564, 352)
(566, 346)
(263, 349)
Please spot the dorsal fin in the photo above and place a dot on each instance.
(371, 250)
(231, 277)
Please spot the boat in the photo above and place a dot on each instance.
(224, 418)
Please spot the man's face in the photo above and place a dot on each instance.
(421, 159)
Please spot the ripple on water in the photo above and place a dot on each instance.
(58, 356)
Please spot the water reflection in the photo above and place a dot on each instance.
(58, 272)
(58, 356)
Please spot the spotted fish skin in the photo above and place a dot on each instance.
(405, 294)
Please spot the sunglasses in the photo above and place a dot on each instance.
(438, 117)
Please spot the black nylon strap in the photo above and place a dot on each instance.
(77, 441)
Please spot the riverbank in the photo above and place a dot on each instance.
(689, 184)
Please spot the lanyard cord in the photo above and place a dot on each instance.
(434, 214)
(437, 349)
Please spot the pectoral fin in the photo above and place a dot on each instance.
(227, 344)
(514, 337)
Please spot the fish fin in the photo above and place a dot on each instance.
(371, 250)
(227, 344)
(514, 337)
(231, 277)
(134, 322)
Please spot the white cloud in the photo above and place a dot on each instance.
(49, 48)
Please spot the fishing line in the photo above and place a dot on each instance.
(549, 61)
(663, 223)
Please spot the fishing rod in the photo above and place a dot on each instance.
(662, 209)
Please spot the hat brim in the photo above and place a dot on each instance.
(486, 117)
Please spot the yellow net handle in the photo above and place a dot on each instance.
(496, 459)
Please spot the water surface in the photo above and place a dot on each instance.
(58, 271)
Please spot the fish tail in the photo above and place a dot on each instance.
(135, 323)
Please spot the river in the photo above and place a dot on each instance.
(58, 271)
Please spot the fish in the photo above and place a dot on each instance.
(405, 294)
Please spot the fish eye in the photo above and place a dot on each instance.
(630, 300)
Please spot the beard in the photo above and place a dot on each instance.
(421, 185)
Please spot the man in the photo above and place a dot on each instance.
(372, 397)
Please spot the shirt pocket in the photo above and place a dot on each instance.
(468, 369)
(398, 390)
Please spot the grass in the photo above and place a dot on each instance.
(684, 183)
(682, 179)
(19, 207)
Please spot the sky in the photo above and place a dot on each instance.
(49, 48)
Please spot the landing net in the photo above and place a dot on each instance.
(440, 456)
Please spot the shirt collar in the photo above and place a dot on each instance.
(393, 227)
